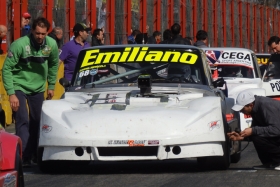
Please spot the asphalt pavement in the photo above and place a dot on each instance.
(184, 172)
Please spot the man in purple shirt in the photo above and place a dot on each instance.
(70, 50)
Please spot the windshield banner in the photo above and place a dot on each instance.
(239, 58)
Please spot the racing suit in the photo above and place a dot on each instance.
(266, 129)
(25, 71)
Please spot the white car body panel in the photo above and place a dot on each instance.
(184, 120)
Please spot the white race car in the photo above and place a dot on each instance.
(240, 69)
(139, 102)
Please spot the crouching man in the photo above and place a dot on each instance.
(265, 129)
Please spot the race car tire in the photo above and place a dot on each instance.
(44, 166)
(218, 162)
(18, 168)
(235, 157)
(2, 117)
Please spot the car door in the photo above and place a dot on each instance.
(272, 83)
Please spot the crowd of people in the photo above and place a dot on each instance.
(170, 36)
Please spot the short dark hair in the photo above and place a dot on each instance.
(167, 34)
(201, 35)
(175, 29)
(96, 32)
(135, 32)
(273, 39)
(41, 22)
(156, 33)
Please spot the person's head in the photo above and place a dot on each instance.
(58, 32)
(175, 29)
(274, 44)
(201, 35)
(3, 31)
(157, 35)
(167, 34)
(81, 31)
(244, 102)
(40, 27)
(98, 34)
(135, 32)
(25, 19)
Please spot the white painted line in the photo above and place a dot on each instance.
(246, 171)
(28, 173)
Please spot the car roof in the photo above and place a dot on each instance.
(237, 49)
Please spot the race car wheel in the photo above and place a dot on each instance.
(236, 145)
(44, 166)
(2, 117)
(18, 168)
(217, 162)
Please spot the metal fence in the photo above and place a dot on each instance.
(232, 23)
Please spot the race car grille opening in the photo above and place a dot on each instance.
(128, 151)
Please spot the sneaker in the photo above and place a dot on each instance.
(26, 163)
(269, 166)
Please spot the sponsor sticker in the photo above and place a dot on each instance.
(153, 142)
(275, 86)
(131, 143)
(214, 124)
(46, 128)
(10, 180)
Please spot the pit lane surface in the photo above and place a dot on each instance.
(160, 173)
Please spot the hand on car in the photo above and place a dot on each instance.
(234, 136)
(14, 102)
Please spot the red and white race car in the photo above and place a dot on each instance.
(11, 174)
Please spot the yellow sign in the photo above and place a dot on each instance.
(136, 54)
(263, 60)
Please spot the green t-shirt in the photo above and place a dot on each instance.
(27, 69)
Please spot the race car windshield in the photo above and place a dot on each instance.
(179, 67)
(234, 71)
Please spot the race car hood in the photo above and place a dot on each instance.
(236, 85)
(111, 115)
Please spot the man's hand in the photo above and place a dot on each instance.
(50, 94)
(14, 102)
(246, 132)
(234, 136)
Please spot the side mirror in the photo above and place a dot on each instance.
(219, 82)
(64, 82)
(270, 74)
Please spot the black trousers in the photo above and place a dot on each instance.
(28, 121)
(268, 149)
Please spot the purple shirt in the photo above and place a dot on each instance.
(69, 55)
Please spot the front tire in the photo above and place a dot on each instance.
(18, 168)
(218, 162)
(44, 166)
(2, 117)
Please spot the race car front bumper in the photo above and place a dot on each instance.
(122, 153)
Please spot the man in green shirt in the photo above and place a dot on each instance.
(31, 61)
